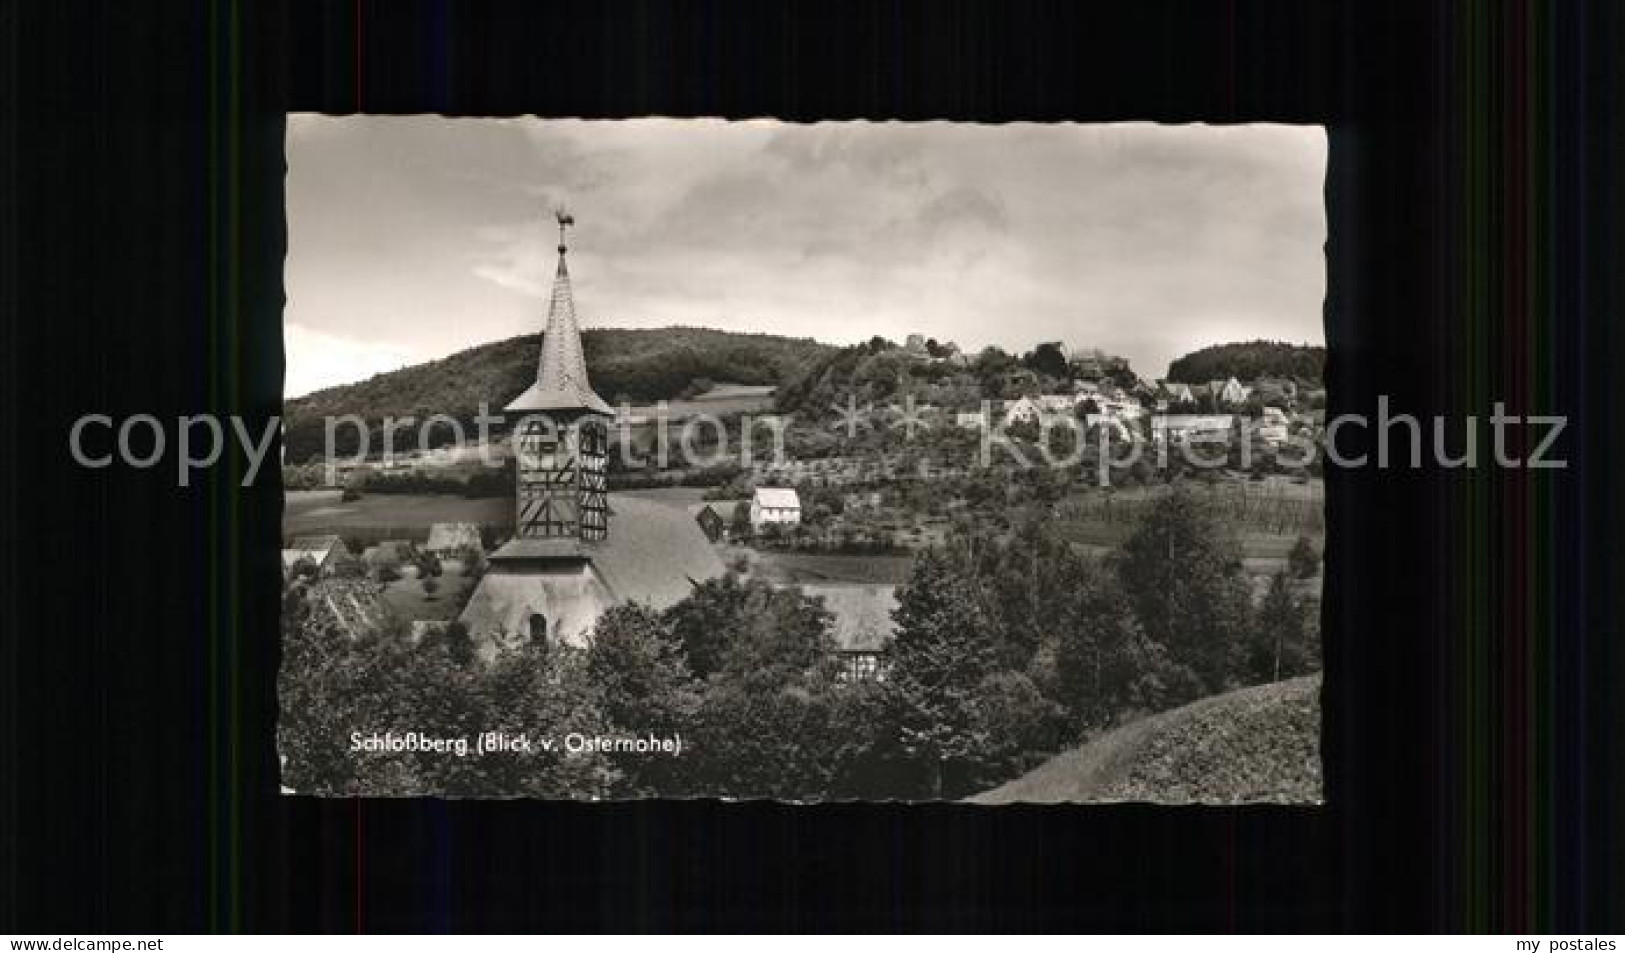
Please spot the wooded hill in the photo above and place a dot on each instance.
(1250, 359)
(636, 365)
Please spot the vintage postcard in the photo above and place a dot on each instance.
(673, 459)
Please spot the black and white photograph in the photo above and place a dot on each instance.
(865, 469)
(810, 462)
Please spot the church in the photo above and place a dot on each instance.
(576, 550)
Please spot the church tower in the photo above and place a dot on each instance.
(563, 569)
(560, 430)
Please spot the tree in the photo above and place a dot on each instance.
(785, 635)
(739, 527)
(943, 650)
(642, 680)
(1181, 570)
(638, 666)
(1281, 646)
(333, 684)
(1303, 560)
(790, 740)
(990, 366)
(1048, 358)
(750, 629)
(1248, 360)
(767, 703)
(1023, 585)
(1019, 725)
(459, 644)
(545, 692)
(1105, 666)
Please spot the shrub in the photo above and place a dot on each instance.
(1303, 561)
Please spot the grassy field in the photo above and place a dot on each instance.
(406, 597)
(386, 515)
(1254, 545)
(716, 407)
(1272, 506)
(1259, 744)
(677, 496)
(808, 568)
(408, 516)
(1268, 516)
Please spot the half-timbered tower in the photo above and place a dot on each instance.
(560, 430)
(574, 552)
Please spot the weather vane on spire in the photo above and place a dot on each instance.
(565, 220)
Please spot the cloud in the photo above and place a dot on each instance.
(319, 359)
(426, 235)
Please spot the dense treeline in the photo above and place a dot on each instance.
(1248, 360)
(1007, 651)
(634, 365)
(644, 365)
(879, 372)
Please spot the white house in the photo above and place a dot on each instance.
(1021, 410)
(1056, 403)
(771, 504)
(1192, 428)
(1231, 392)
(1176, 392)
(1120, 408)
(1034, 409)
(1272, 427)
(970, 419)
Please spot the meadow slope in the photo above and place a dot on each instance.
(1258, 744)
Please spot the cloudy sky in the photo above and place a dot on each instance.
(414, 237)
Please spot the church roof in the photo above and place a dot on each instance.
(561, 373)
(317, 549)
(654, 554)
(350, 606)
(317, 544)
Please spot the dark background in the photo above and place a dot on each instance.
(1470, 618)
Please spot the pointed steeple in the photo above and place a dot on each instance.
(561, 373)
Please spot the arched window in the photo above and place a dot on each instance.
(538, 627)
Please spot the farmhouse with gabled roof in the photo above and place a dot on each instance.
(325, 552)
(861, 625)
(446, 539)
